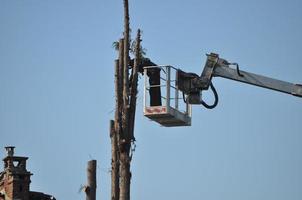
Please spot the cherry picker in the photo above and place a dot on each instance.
(173, 82)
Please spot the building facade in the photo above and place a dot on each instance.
(15, 179)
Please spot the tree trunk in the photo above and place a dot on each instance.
(126, 72)
(125, 176)
(91, 180)
(125, 140)
(114, 163)
(133, 92)
(120, 89)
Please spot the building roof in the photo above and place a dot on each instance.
(16, 158)
(40, 196)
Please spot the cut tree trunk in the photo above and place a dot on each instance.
(114, 163)
(125, 140)
(91, 180)
(125, 153)
(133, 91)
(126, 72)
(125, 176)
(119, 89)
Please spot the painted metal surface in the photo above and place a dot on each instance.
(258, 80)
(169, 114)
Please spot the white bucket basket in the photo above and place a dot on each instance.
(172, 111)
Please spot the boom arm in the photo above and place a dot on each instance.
(258, 80)
(192, 84)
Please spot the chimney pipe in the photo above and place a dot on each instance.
(9, 150)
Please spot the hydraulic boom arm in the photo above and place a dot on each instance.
(192, 85)
(258, 80)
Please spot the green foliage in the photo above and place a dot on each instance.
(115, 46)
(141, 50)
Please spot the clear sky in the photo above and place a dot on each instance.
(56, 97)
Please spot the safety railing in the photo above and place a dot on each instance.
(161, 82)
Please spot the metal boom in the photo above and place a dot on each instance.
(192, 85)
(258, 80)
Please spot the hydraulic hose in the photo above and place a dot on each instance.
(216, 98)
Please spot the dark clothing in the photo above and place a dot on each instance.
(154, 80)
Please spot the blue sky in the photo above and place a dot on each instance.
(56, 84)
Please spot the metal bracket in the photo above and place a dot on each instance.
(207, 73)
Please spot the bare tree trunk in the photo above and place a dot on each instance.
(120, 89)
(91, 180)
(133, 92)
(125, 142)
(122, 129)
(126, 46)
(125, 176)
(116, 131)
(114, 163)
(126, 72)
(125, 156)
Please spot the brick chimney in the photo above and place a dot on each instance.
(15, 179)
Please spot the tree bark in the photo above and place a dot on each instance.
(114, 163)
(91, 180)
(125, 176)
(125, 141)
(126, 72)
(120, 88)
(133, 92)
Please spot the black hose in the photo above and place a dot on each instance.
(184, 97)
(216, 98)
(237, 69)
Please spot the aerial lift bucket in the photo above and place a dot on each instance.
(163, 102)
